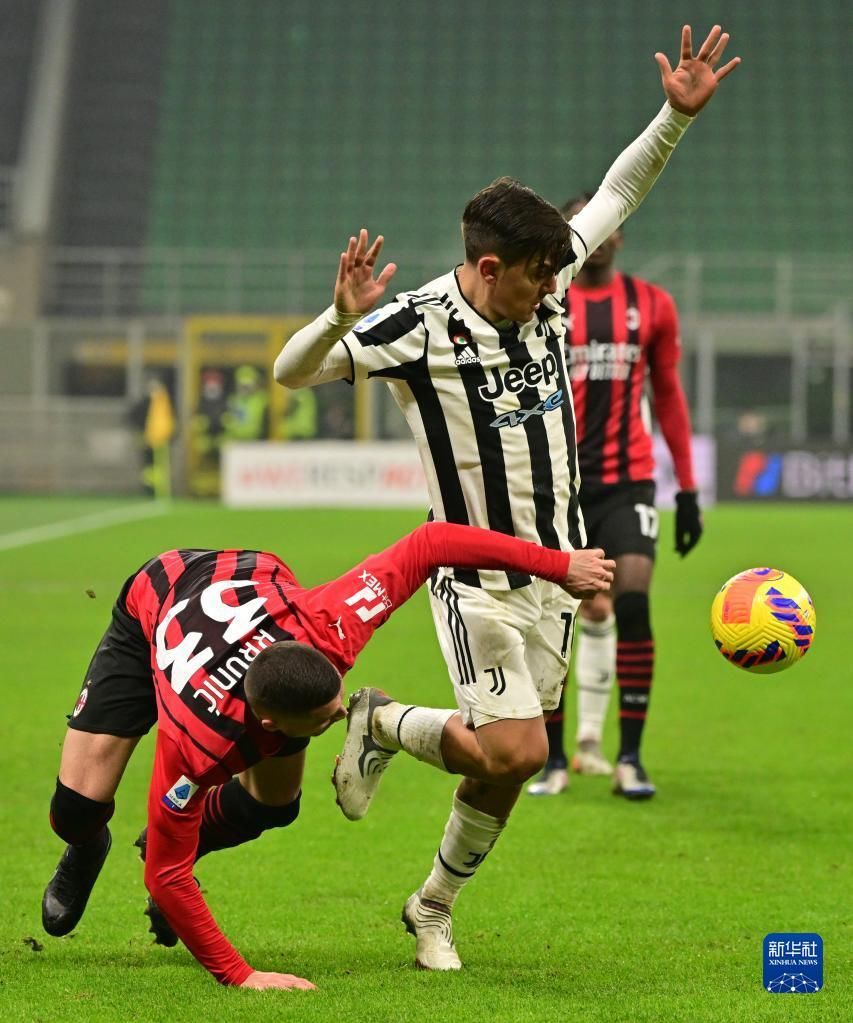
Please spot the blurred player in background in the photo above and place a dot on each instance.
(238, 665)
(475, 361)
(619, 329)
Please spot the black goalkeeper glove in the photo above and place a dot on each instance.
(688, 521)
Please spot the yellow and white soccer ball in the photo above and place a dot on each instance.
(763, 620)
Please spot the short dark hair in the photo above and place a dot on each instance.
(515, 223)
(581, 197)
(291, 678)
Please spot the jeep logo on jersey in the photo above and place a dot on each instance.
(517, 416)
(516, 379)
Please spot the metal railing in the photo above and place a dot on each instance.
(762, 284)
(69, 388)
(104, 282)
(109, 282)
(67, 445)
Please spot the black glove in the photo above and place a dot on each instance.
(688, 521)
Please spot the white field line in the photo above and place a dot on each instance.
(83, 524)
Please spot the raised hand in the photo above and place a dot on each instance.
(589, 573)
(356, 289)
(264, 981)
(689, 87)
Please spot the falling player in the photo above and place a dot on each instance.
(475, 361)
(238, 665)
(619, 330)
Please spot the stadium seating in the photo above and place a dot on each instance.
(285, 126)
(266, 105)
(18, 20)
(111, 125)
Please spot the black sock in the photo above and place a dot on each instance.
(77, 819)
(231, 816)
(635, 655)
(554, 729)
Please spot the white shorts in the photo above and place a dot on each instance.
(507, 650)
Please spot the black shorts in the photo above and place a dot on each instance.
(118, 696)
(621, 517)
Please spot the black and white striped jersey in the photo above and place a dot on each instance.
(490, 409)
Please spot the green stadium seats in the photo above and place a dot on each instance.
(285, 126)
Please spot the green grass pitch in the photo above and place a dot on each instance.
(589, 909)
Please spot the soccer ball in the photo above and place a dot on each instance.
(763, 620)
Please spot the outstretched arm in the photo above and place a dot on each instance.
(437, 544)
(340, 617)
(169, 858)
(311, 356)
(687, 88)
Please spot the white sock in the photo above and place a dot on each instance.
(595, 668)
(468, 837)
(417, 730)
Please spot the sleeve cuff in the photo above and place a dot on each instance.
(676, 116)
(338, 319)
(351, 380)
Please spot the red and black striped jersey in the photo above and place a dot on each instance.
(615, 335)
(206, 615)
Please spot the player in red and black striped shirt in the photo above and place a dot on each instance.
(238, 665)
(621, 332)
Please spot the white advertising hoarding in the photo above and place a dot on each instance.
(704, 468)
(380, 474)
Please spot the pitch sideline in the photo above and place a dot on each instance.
(83, 524)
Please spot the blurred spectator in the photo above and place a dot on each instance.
(300, 418)
(209, 416)
(153, 418)
(247, 411)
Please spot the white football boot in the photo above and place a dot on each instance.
(551, 782)
(590, 760)
(431, 924)
(631, 781)
(362, 761)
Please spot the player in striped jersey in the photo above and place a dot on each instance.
(238, 665)
(475, 361)
(619, 330)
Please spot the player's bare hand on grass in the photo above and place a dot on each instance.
(589, 573)
(694, 81)
(356, 289)
(259, 981)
